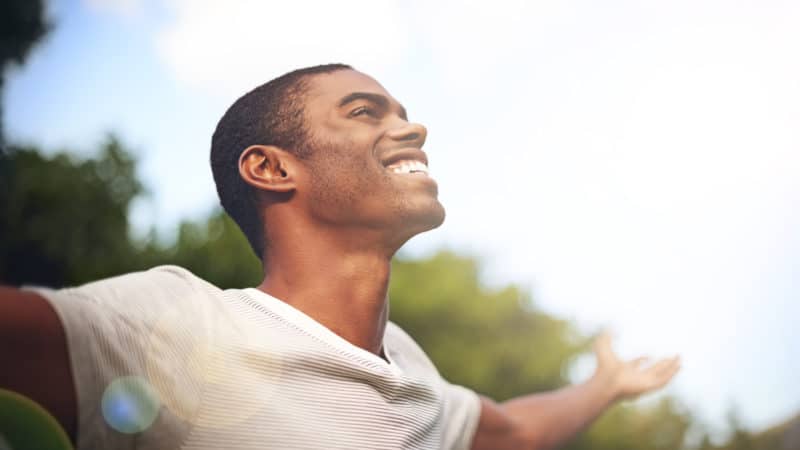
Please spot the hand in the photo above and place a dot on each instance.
(631, 378)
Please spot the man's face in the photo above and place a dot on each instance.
(367, 169)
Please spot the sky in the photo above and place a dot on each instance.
(634, 164)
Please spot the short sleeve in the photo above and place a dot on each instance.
(136, 356)
(462, 410)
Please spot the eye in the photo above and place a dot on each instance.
(363, 111)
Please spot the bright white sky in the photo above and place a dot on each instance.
(634, 163)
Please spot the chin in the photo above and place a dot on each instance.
(438, 216)
(425, 219)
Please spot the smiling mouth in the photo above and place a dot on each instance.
(408, 167)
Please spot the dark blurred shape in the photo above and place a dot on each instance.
(22, 24)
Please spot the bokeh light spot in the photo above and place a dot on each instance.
(130, 404)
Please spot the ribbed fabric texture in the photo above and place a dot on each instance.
(239, 369)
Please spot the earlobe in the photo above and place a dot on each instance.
(268, 168)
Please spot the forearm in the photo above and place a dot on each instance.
(550, 419)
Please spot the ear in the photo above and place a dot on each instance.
(268, 168)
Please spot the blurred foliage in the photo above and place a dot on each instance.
(64, 222)
(784, 436)
(661, 426)
(441, 302)
(213, 249)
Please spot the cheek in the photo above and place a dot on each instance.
(342, 175)
(347, 164)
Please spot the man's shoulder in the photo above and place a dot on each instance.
(165, 276)
(405, 350)
(163, 304)
(160, 284)
(146, 328)
(396, 333)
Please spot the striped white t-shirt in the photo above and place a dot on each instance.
(164, 360)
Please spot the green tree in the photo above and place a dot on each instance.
(491, 340)
(741, 439)
(215, 250)
(659, 426)
(65, 221)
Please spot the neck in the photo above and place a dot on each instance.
(342, 288)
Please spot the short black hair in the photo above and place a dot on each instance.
(271, 114)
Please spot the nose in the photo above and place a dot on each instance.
(410, 133)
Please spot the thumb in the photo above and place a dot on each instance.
(602, 347)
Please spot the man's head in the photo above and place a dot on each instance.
(332, 142)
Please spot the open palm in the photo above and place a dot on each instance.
(634, 377)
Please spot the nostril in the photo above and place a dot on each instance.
(409, 132)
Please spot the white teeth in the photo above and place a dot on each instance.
(408, 167)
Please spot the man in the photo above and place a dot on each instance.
(327, 178)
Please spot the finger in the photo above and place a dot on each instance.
(602, 340)
(669, 364)
(661, 365)
(602, 346)
(640, 362)
(674, 364)
(666, 370)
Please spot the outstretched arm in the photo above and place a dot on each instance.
(547, 420)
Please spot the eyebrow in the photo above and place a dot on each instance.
(378, 99)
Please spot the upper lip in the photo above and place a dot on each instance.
(408, 154)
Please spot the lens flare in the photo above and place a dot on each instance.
(130, 404)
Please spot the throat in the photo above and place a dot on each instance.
(346, 294)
